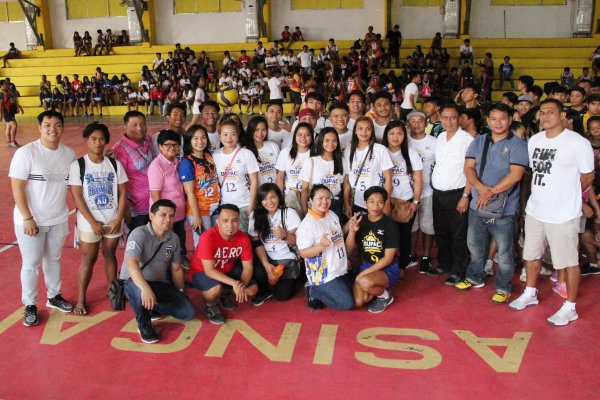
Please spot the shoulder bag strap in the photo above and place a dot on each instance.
(361, 167)
(486, 146)
(230, 164)
(153, 255)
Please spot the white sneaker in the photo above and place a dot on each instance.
(546, 271)
(523, 276)
(563, 316)
(489, 267)
(523, 301)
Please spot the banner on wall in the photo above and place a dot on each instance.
(135, 33)
(583, 17)
(251, 20)
(451, 18)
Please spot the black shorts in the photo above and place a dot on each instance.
(295, 97)
(8, 116)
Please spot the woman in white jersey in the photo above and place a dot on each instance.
(289, 165)
(370, 165)
(407, 179)
(265, 152)
(101, 200)
(327, 167)
(320, 242)
(273, 232)
(236, 166)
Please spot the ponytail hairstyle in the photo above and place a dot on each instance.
(403, 146)
(262, 224)
(354, 142)
(338, 165)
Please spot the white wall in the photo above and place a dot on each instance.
(13, 32)
(197, 28)
(322, 24)
(521, 21)
(63, 28)
(418, 22)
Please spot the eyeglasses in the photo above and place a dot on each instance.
(170, 145)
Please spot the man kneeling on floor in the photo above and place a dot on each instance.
(216, 263)
(152, 251)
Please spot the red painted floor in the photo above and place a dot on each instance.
(432, 343)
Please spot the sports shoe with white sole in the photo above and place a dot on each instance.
(563, 316)
(525, 300)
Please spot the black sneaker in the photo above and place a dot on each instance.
(379, 305)
(30, 316)
(313, 304)
(452, 280)
(260, 298)
(214, 314)
(425, 265)
(227, 303)
(587, 269)
(412, 261)
(147, 334)
(60, 304)
(434, 271)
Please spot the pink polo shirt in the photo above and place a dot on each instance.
(163, 176)
(136, 159)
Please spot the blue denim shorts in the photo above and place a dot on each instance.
(203, 282)
(392, 271)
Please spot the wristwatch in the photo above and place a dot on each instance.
(466, 195)
(416, 202)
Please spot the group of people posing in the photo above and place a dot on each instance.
(266, 206)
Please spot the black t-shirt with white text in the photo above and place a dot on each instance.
(374, 237)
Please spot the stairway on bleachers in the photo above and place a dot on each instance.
(544, 59)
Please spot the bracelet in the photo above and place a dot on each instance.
(597, 220)
(28, 219)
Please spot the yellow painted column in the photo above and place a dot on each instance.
(149, 20)
(44, 24)
(595, 17)
(267, 18)
(465, 18)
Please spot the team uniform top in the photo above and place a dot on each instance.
(100, 189)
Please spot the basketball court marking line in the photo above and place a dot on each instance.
(10, 245)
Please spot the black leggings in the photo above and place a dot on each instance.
(284, 288)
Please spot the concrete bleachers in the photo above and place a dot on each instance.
(544, 59)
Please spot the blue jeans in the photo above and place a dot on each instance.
(335, 293)
(169, 301)
(502, 230)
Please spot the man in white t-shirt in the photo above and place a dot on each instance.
(411, 96)
(209, 116)
(275, 84)
(39, 173)
(466, 52)
(356, 106)
(99, 188)
(305, 57)
(424, 145)
(339, 115)
(562, 163)
(382, 105)
(451, 192)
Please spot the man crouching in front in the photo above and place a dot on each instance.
(152, 250)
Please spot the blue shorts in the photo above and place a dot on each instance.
(203, 282)
(392, 271)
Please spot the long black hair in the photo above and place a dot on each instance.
(338, 165)
(261, 216)
(294, 148)
(403, 146)
(187, 140)
(354, 143)
(250, 129)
